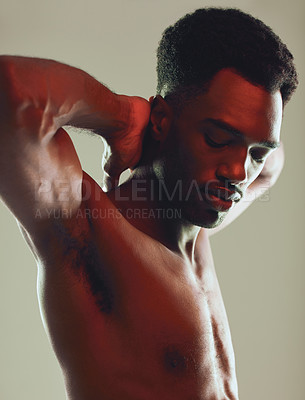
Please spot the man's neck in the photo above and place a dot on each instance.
(140, 202)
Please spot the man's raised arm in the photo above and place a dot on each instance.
(37, 98)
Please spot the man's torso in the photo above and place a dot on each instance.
(129, 319)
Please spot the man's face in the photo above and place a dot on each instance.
(217, 147)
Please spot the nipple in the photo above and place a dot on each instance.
(174, 360)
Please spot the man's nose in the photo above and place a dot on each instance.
(234, 168)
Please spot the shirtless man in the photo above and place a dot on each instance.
(127, 286)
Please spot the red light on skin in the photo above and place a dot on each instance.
(219, 204)
(219, 197)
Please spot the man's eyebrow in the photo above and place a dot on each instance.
(219, 123)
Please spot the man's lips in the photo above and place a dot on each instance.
(218, 203)
(223, 194)
(221, 198)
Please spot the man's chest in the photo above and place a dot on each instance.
(178, 322)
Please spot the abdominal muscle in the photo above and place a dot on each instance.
(128, 320)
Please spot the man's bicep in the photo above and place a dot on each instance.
(40, 180)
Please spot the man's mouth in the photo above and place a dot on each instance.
(223, 194)
(221, 198)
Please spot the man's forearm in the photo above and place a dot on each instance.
(50, 94)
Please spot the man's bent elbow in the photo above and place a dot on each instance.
(273, 167)
(20, 110)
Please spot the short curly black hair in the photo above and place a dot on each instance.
(200, 44)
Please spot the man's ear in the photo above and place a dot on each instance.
(160, 118)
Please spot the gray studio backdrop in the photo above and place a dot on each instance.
(259, 258)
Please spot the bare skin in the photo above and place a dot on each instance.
(130, 300)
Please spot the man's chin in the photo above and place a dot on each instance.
(209, 219)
